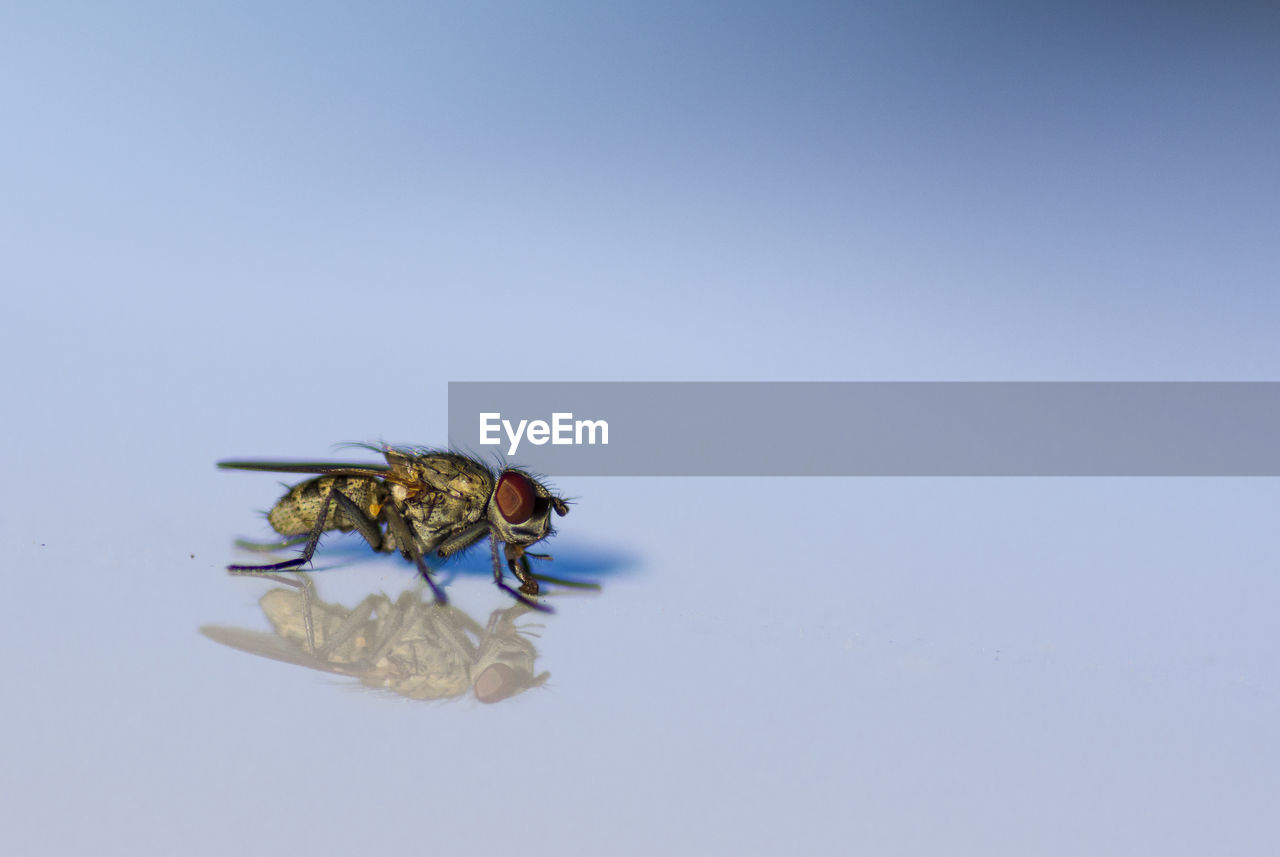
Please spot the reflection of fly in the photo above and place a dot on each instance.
(419, 502)
(407, 646)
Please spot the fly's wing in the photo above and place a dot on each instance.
(269, 646)
(326, 468)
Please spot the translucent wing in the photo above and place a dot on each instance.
(328, 468)
(269, 646)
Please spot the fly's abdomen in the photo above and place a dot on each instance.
(296, 512)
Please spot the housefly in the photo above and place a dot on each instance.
(421, 502)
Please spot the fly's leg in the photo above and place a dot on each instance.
(308, 623)
(410, 547)
(355, 619)
(304, 585)
(464, 539)
(558, 581)
(399, 615)
(520, 568)
(526, 580)
(365, 525)
(308, 589)
(313, 539)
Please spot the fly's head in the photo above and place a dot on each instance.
(520, 508)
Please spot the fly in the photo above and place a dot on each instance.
(421, 502)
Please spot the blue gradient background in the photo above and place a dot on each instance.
(238, 229)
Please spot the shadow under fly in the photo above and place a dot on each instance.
(420, 502)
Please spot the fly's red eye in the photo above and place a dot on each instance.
(515, 497)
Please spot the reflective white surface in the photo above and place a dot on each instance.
(237, 234)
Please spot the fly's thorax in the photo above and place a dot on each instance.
(455, 475)
(520, 508)
(295, 513)
(440, 494)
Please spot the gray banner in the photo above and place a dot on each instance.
(872, 429)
